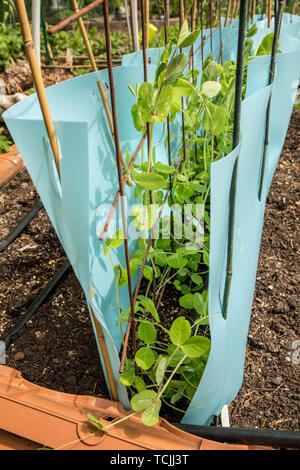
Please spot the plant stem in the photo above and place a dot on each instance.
(117, 299)
(172, 375)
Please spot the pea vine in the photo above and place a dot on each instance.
(168, 364)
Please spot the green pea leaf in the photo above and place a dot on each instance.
(206, 258)
(128, 377)
(145, 358)
(177, 261)
(210, 88)
(150, 181)
(120, 275)
(96, 421)
(180, 331)
(191, 38)
(210, 72)
(138, 121)
(183, 87)
(166, 169)
(196, 346)
(187, 301)
(252, 31)
(114, 242)
(143, 400)
(186, 38)
(146, 99)
(197, 279)
(147, 332)
(149, 307)
(151, 414)
(160, 370)
(148, 273)
(139, 384)
(199, 304)
(176, 68)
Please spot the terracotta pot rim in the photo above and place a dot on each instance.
(44, 417)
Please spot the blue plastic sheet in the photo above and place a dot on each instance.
(89, 180)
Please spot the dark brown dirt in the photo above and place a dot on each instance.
(57, 348)
(269, 397)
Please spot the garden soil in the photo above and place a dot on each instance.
(57, 348)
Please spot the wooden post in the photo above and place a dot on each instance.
(134, 25)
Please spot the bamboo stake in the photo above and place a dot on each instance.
(201, 27)
(147, 23)
(227, 13)
(220, 27)
(210, 26)
(253, 9)
(100, 86)
(233, 11)
(269, 12)
(38, 81)
(181, 12)
(104, 352)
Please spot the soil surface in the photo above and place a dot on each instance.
(57, 348)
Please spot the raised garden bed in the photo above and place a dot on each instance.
(57, 348)
(226, 188)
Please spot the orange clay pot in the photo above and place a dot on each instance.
(32, 417)
(10, 164)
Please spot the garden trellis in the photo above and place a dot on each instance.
(87, 173)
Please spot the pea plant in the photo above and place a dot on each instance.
(169, 362)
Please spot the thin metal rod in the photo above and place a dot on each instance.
(278, 22)
(38, 81)
(181, 20)
(145, 31)
(235, 142)
(121, 185)
(166, 11)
